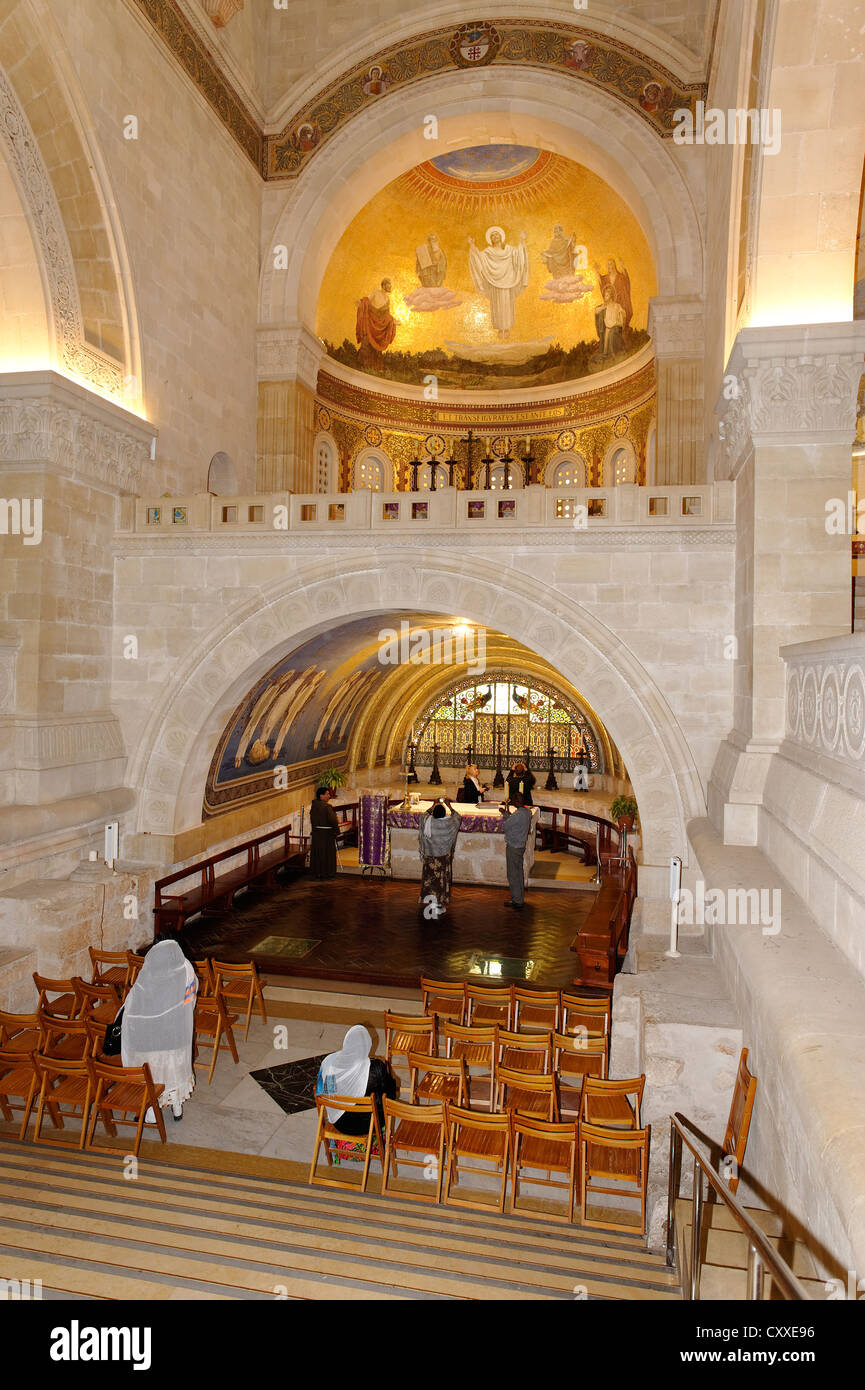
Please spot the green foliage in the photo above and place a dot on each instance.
(332, 778)
(623, 808)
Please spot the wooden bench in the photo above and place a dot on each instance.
(172, 910)
(560, 833)
(601, 943)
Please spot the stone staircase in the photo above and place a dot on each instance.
(724, 1272)
(243, 1231)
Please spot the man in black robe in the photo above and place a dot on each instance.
(324, 830)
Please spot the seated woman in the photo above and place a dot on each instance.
(352, 1072)
(437, 837)
(157, 1023)
(473, 789)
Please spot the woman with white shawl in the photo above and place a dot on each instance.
(157, 1023)
(352, 1072)
(437, 837)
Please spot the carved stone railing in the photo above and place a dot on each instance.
(826, 704)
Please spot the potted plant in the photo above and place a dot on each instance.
(333, 778)
(623, 812)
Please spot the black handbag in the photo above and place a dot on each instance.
(111, 1045)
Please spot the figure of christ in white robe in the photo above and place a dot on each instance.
(500, 272)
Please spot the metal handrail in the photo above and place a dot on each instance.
(761, 1253)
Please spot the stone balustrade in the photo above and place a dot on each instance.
(448, 508)
(825, 713)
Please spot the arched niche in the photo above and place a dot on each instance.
(620, 464)
(372, 468)
(566, 468)
(325, 463)
(222, 476)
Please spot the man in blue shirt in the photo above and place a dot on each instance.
(518, 823)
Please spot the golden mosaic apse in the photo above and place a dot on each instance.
(497, 267)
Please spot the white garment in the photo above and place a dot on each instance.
(346, 1073)
(157, 1023)
(501, 273)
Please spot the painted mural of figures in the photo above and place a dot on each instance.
(612, 323)
(500, 273)
(376, 327)
(559, 255)
(618, 282)
(431, 263)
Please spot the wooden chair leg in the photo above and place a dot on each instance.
(317, 1146)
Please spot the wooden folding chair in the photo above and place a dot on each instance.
(405, 1033)
(20, 1081)
(63, 1083)
(616, 1156)
(241, 989)
(327, 1134)
(414, 1129)
(529, 1092)
(482, 1138)
(590, 1016)
(525, 1051)
(478, 1048)
(437, 1079)
(96, 1034)
(134, 963)
(612, 1104)
(535, 1009)
(575, 1058)
(206, 978)
(212, 1027)
(20, 1033)
(444, 1000)
(57, 998)
(739, 1119)
(63, 1039)
(485, 1006)
(110, 968)
(124, 1091)
(100, 1002)
(543, 1147)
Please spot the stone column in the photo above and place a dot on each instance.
(288, 361)
(787, 418)
(676, 327)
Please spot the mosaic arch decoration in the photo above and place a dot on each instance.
(493, 267)
(652, 91)
(528, 714)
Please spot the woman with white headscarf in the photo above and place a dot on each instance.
(157, 1023)
(437, 838)
(352, 1072)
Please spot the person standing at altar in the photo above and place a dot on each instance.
(520, 783)
(518, 824)
(437, 838)
(324, 828)
(472, 789)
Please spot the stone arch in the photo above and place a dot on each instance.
(527, 107)
(369, 457)
(567, 458)
(621, 451)
(325, 463)
(171, 761)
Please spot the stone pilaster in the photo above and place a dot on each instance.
(676, 327)
(288, 361)
(787, 416)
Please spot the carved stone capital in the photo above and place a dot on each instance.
(50, 422)
(790, 384)
(676, 327)
(289, 352)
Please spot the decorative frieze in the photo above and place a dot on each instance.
(677, 327)
(826, 698)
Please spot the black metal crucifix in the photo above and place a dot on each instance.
(469, 440)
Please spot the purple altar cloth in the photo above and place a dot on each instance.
(481, 825)
(372, 837)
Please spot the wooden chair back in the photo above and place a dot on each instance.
(20, 1080)
(20, 1033)
(444, 999)
(405, 1033)
(484, 1138)
(528, 1092)
(63, 1082)
(618, 1156)
(120, 1092)
(525, 1051)
(63, 1039)
(207, 984)
(578, 1011)
(57, 998)
(486, 1006)
(739, 1120)
(96, 1033)
(535, 1009)
(109, 967)
(213, 1026)
(478, 1047)
(328, 1135)
(134, 963)
(415, 1129)
(576, 1056)
(101, 1002)
(612, 1104)
(241, 988)
(544, 1146)
(437, 1079)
